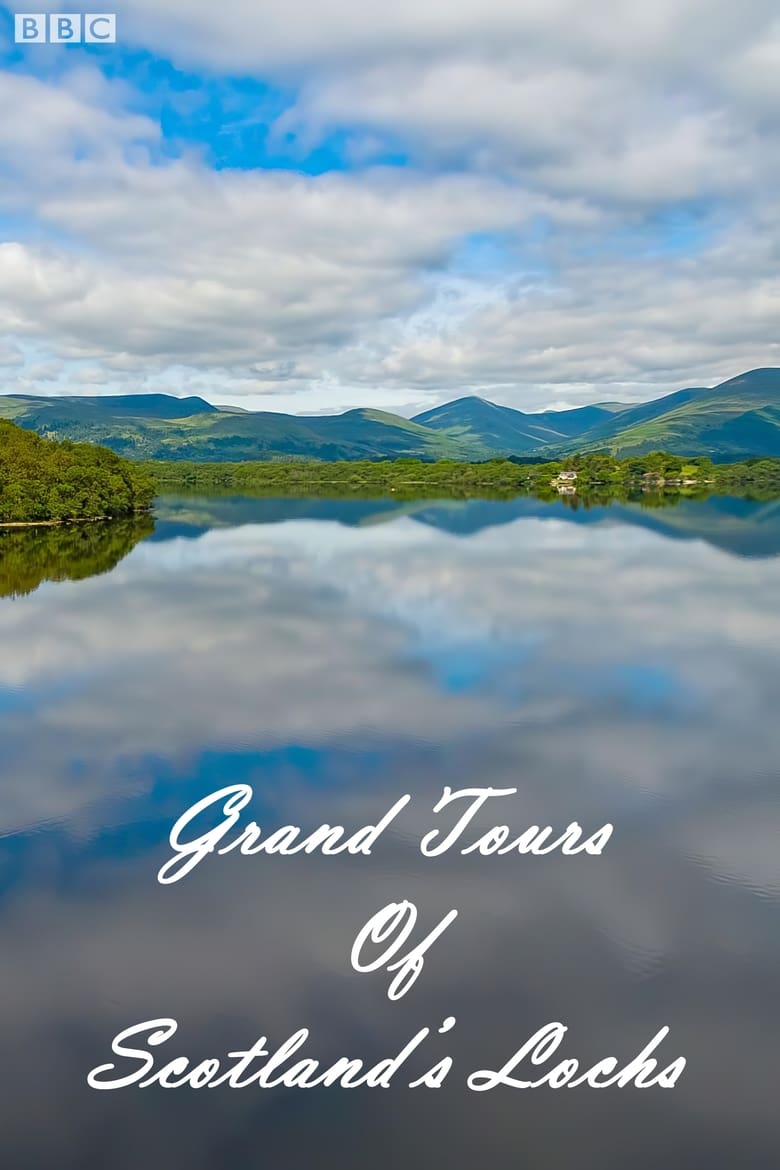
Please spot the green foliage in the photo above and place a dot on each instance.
(46, 481)
(599, 478)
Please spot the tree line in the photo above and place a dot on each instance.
(598, 476)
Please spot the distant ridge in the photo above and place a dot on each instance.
(508, 430)
(132, 405)
(700, 421)
(735, 420)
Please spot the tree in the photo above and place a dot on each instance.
(45, 480)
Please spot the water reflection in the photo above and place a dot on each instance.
(743, 527)
(30, 556)
(604, 670)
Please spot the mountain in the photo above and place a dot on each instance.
(512, 431)
(734, 420)
(737, 419)
(159, 426)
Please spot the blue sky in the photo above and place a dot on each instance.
(285, 207)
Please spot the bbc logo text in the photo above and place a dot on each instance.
(65, 28)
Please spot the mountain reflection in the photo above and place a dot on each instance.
(747, 528)
(31, 556)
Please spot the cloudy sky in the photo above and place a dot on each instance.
(294, 205)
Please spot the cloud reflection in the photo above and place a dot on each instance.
(606, 673)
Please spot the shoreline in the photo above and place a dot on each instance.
(12, 524)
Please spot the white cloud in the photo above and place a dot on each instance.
(624, 158)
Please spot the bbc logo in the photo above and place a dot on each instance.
(65, 28)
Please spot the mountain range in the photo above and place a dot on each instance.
(734, 420)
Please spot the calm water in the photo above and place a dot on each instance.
(612, 665)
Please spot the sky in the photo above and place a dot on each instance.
(292, 205)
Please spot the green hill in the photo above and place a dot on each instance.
(509, 431)
(732, 421)
(737, 419)
(163, 427)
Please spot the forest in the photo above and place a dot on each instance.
(48, 481)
